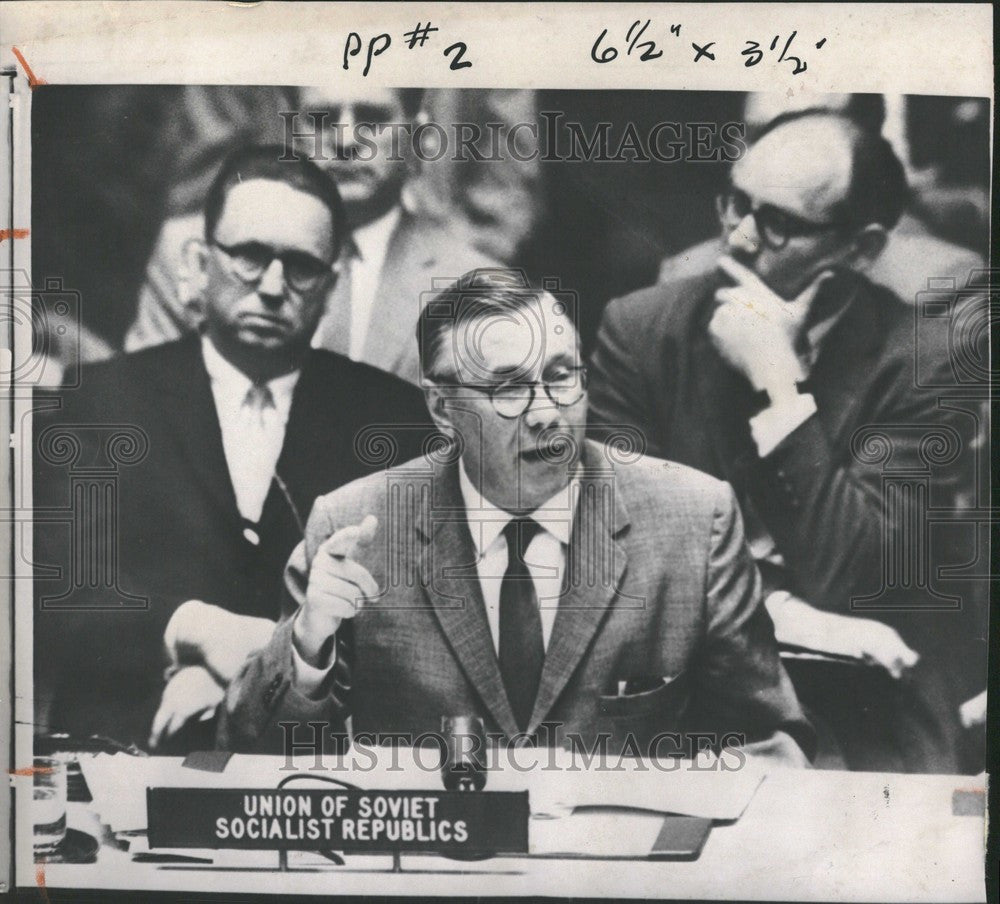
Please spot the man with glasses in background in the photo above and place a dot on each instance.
(245, 427)
(391, 258)
(762, 371)
(546, 584)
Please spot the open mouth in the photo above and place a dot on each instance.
(551, 450)
(268, 321)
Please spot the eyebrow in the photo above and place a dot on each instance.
(563, 359)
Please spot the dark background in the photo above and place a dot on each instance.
(109, 163)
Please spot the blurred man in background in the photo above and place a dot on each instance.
(761, 369)
(388, 264)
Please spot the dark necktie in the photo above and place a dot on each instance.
(522, 652)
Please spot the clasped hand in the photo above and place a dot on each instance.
(207, 646)
(755, 330)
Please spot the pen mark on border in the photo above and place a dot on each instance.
(33, 80)
(31, 770)
(40, 881)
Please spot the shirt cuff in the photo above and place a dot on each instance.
(307, 678)
(773, 424)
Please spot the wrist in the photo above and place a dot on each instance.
(311, 641)
(782, 385)
(781, 393)
(186, 628)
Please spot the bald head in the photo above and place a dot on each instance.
(836, 162)
(761, 108)
(785, 159)
(814, 193)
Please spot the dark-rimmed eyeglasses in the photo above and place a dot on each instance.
(249, 261)
(774, 225)
(564, 387)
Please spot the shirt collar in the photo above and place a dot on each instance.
(231, 384)
(492, 520)
(372, 240)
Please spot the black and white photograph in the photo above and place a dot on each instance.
(423, 486)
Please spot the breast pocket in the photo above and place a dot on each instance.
(634, 719)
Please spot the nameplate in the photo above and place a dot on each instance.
(338, 820)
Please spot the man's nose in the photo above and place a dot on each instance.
(542, 412)
(272, 283)
(346, 133)
(744, 236)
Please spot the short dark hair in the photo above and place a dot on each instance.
(867, 110)
(410, 99)
(265, 162)
(878, 191)
(478, 293)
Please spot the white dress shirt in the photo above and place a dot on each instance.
(545, 558)
(780, 419)
(253, 425)
(372, 243)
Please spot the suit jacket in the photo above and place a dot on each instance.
(659, 586)
(423, 257)
(178, 533)
(819, 494)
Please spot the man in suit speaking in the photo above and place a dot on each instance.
(525, 576)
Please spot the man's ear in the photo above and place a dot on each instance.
(437, 405)
(192, 278)
(868, 245)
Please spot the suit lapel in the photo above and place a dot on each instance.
(451, 583)
(595, 563)
(407, 273)
(195, 425)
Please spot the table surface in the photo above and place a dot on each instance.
(806, 835)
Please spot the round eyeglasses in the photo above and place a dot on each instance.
(510, 400)
(774, 225)
(249, 261)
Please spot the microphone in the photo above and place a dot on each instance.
(463, 765)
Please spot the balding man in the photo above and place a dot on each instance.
(912, 254)
(763, 369)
